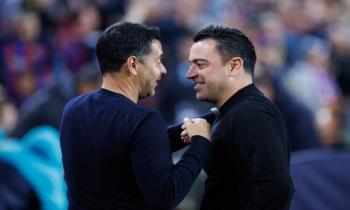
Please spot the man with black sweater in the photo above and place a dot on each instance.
(248, 168)
(116, 154)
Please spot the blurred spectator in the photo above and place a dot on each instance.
(312, 82)
(271, 49)
(339, 35)
(25, 59)
(8, 116)
(45, 43)
(331, 123)
(111, 10)
(321, 176)
(31, 172)
(76, 38)
(46, 106)
(299, 119)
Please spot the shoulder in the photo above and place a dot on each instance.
(145, 122)
(146, 114)
(74, 102)
(255, 109)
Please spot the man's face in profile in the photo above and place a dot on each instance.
(151, 70)
(206, 70)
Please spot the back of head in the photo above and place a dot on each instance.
(122, 40)
(230, 43)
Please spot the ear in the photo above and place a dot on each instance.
(131, 63)
(235, 64)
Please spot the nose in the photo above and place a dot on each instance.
(163, 70)
(191, 72)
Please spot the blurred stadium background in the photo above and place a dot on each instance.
(303, 47)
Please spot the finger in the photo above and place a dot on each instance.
(187, 140)
(183, 133)
(198, 120)
(186, 122)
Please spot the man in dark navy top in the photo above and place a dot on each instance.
(250, 158)
(116, 154)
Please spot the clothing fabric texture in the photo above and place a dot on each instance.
(117, 155)
(249, 165)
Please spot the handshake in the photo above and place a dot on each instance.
(192, 127)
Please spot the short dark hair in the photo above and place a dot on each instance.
(122, 40)
(231, 42)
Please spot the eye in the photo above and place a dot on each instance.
(201, 64)
(160, 60)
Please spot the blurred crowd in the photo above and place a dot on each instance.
(303, 49)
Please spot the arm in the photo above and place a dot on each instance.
(176, 142)
(265, 149)
(162, 183)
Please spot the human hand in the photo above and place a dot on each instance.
(192, 127)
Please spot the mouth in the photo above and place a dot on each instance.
(197, 85)
(157, 80)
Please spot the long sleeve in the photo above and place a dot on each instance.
(162, 183)
(264, 149)
(174, 132)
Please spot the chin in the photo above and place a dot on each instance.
(204, 98)
(151, 92)
(147, 94)
(200, 98)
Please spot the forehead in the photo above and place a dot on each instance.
(204, 49)
(156, 48)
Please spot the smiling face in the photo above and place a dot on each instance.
(151, 69)
(207, 71)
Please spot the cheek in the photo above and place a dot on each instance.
(214, 84)
(152, 75)
(156, 73)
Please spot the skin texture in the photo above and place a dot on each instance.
(137, 77)
(215, 81)
(206, 70)
(150, 70)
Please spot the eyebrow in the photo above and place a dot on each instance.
(196, 60)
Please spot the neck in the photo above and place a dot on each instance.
(119, 83)
(235, 87)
